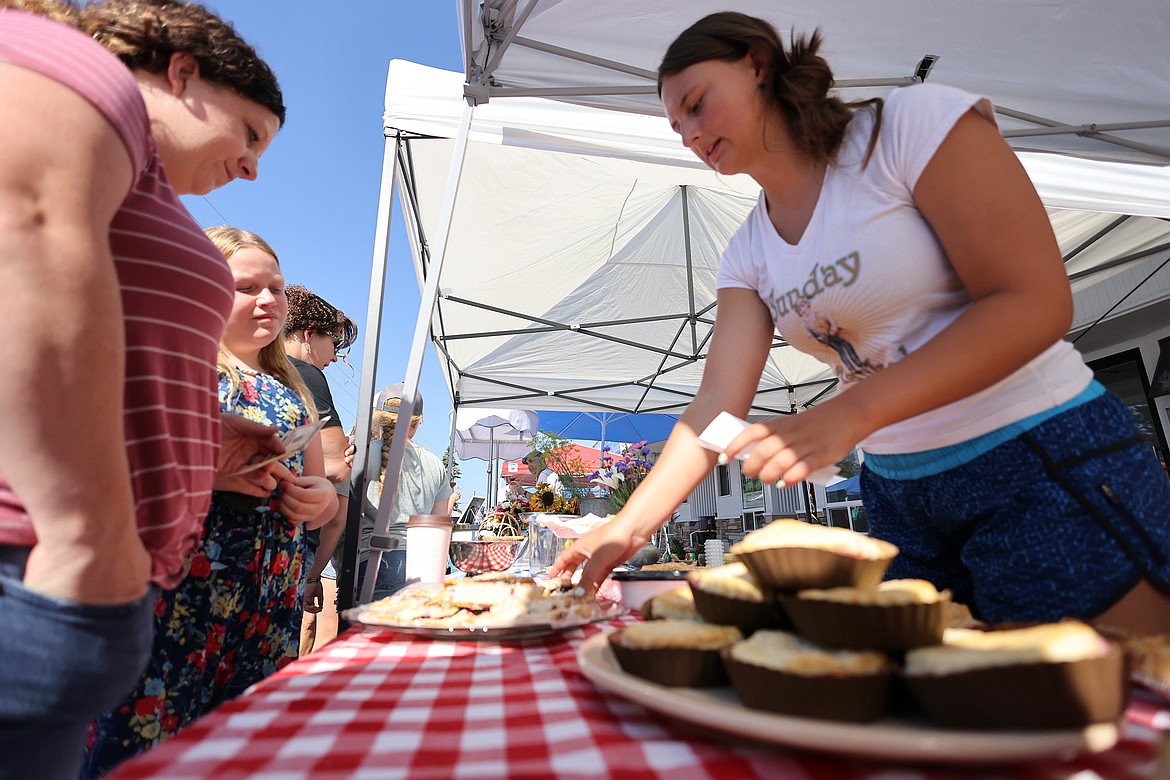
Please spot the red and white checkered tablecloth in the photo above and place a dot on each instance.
(375, 705)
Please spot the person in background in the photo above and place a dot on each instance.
(112, 435)
(993, 460)
(544, 475)
(234, 618)
(424, 488)
(316, 334)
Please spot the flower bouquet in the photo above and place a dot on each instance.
(621, 473)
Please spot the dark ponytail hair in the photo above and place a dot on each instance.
(796, 80)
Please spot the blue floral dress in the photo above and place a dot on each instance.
(235, 617)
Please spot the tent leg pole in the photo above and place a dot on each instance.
(418, 345)
(347, 577)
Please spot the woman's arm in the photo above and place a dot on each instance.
(64, 172)
(334, 444)
(739, 347)
(980, 203)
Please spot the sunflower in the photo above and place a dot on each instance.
(545, 499)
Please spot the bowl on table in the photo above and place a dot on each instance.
(636, 586)
(481, 555)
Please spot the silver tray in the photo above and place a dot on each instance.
(607, 610)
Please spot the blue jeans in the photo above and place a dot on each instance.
(391, 574)
(61, 665)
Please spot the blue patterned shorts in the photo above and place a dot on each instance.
(1061, 521)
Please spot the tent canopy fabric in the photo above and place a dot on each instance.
(1075, 77)
(851, 487)
(580, 268)
(608, 426)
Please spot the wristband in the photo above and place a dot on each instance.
(312, 580)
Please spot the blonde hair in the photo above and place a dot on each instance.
(273, 359)
(384, 424)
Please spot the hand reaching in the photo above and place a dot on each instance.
(600, 550)
(790, 448)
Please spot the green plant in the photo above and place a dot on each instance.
(561, 456)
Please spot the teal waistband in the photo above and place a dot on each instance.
(914, 465)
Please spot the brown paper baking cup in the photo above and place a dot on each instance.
(747, 616)
(867, 626)
(854, 698)
(1030, 697)
(796, 568)
(677, 667)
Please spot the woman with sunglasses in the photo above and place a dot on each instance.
(316, 335)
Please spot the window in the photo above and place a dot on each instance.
(753, 492)
(723, 480)
(754, 520)
(838, 518)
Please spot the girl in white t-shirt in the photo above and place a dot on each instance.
(901, 242)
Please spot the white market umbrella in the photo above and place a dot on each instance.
(492, 435)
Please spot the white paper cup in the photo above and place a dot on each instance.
(428, 542)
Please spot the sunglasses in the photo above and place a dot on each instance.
(340, 348)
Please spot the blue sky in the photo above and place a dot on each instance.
(316, 199)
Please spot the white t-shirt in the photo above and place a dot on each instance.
(423, 481)
(868, 282)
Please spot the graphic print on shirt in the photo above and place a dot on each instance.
(822, 327)
(818, 323)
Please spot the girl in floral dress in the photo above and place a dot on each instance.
(234, 619)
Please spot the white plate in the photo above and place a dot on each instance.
(888, 739)
(606, 610)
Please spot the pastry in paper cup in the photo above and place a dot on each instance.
(1047, 677)
(896, 615)
(783, 673)
(674, 604)
(674, 653)
(790, 555)
(731, 596)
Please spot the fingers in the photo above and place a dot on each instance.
(314, 597)
(772, 457)
(242, 484)
(593, 574)
(281, 472)
(567, 562)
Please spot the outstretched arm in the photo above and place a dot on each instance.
(739, 347)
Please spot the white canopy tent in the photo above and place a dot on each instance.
(566, 251)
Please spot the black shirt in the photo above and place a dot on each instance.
(323, 399)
